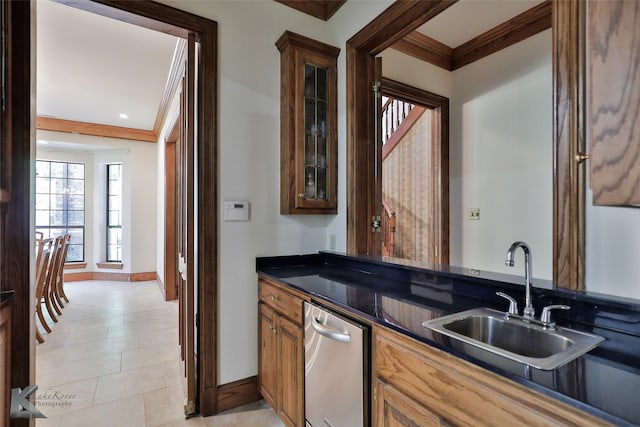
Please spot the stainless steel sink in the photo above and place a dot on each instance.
(521, 340)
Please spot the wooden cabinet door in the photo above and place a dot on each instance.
(267, 364)
(394, 409)
(291, 358)
(614, 85)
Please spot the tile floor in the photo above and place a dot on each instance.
(113, 360)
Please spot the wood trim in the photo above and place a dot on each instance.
(17, 256)
(568, 126)
(5, 196)
(93, 275)
(426, 49)
(179, 23)
(321, 9)
(176, 71)
(238, 393)
(143, 277)
(518, 28)
(170, 237)
(112, 265)
(406, 125)
(395, 22)
(75, 265)
(94, 129)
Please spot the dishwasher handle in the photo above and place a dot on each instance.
(329, 333)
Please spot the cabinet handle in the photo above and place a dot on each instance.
(274, 298)
(329, 333)
(301, 196)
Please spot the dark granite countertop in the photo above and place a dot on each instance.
(401, 295)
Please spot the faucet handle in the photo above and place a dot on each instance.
(545, 317)
(513, 304)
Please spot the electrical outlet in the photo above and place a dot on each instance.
(474, 214)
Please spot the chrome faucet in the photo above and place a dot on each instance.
(528, 311)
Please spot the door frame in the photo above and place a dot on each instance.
(17, 222)
(569, 128)
(439, 105)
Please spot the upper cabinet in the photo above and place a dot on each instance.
(308, 126)
(614, 84)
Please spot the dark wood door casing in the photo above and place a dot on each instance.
(568, 123)
(16, 231)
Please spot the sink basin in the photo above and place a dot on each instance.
(514, 338)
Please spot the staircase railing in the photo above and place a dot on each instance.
(388, 229)
(394, 112)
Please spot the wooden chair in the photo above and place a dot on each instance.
(56, 263)
(60, 279)
(42, 265)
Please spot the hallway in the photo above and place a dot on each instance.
(113, 359)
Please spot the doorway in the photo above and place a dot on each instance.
(415, 191)
(22, 74)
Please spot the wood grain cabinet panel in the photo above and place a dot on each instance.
(423, 386)
(308, 125)
(614, 84)
(281, 354)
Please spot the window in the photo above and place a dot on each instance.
(114, 212)
(60, 203)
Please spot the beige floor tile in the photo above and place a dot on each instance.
(59, 399)
(166, 337)
(164, 405)
(112, 345)
(49, 421)
(147, 356)
(66, 372)
(128, 412)
(65, 353)
(259, 418)
(129, 383)
(191, 422)
(173, 374)
(58, 338)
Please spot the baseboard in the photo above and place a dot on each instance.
(114, 277)
(238, 393)
(143, 277)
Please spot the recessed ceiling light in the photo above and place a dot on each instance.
(124, 116)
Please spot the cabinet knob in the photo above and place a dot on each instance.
(274, 298)
(300, 196)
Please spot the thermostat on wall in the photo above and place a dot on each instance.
(236, 210)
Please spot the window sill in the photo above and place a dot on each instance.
(112, 265)
(74, 265)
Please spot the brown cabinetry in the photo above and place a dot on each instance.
(281, 354)
(417, 385)
(614, 117)
(308, 125)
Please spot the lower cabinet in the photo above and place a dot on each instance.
(396, 409)
(281, 360)
(418, 385)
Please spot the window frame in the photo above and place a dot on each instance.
(108, 210)
(65, 227)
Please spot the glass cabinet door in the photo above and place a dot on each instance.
(308, 130)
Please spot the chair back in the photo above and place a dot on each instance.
(42, 266)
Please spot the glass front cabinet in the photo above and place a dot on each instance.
(308, 125)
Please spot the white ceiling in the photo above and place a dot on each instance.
(470, 18)
(91, 68)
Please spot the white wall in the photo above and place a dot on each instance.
(612, 246)
(249, 165)
(500, 126)
(139, 194)
(501, 158)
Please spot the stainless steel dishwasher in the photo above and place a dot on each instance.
(334, 353)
